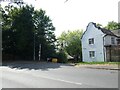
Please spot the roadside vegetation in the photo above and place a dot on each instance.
(98, 63)
(28, 34)
(70, 43)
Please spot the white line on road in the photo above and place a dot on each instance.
(56, 79)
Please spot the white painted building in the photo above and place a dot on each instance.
(94, 40)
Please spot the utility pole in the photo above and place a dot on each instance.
(39, 52)
(34, 47)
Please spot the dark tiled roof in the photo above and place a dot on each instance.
(108, 32)
(105, 31)
(116, 32)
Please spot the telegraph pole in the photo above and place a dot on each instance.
(34, 47)
(39, 52)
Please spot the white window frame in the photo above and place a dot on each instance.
(91, 41)
(92, 54)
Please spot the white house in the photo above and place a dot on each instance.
(94, 40)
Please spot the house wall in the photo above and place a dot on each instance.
(93, 32)
(107, 40)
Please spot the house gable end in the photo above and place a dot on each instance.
(91, 23)
(92, 43)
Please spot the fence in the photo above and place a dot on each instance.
(113, 53)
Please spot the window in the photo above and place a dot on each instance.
(92, 54)
(118, 41)
(112, 40)
(91, 41)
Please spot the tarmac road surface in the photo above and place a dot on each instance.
(55, 75)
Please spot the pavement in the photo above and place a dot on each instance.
(99, 66)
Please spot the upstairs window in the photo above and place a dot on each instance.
(118, 41)
(91, 54)
(112, 40)
(91, 41)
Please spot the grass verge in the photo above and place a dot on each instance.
(98, 63)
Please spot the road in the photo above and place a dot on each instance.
(53, 75)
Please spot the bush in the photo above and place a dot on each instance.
(62, 57)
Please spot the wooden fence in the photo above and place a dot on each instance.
(113, 53)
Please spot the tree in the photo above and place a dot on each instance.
(7, 33)
(44, 34)
(71, 43)
(25, 28)
(112, 25)
(17, 28)
(99, 25)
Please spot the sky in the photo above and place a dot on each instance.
(76, 14)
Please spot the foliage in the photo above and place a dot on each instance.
(23, 29)
(23, 26)
(99, 63)
(71, 43)
(99, 25)
(62, 57)
(17, 31)
(112, 25)
(44, 33)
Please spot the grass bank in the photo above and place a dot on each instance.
(98, 63)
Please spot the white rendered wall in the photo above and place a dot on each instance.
(93, 32)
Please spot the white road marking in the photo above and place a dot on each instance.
(56, 79)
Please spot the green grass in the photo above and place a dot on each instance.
(101, 63)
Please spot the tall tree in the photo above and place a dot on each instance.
(23, 26)
(112, 25)
(24, 30)
(44, 34)
(18, 31)
(7, 33)
(71, 43)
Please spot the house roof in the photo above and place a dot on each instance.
(105, 31)
(116, 32)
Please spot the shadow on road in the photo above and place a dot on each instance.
(45, 66)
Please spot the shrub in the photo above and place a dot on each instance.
(62, 57)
